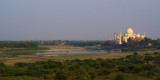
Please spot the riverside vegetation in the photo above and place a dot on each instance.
(26, 47)
(20, 47)
(131, 67)
(144, 65)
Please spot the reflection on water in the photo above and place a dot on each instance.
(63, 52)
(74, 52)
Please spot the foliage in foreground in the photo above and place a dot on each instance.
(129, 68)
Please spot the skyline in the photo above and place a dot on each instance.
(77, 20)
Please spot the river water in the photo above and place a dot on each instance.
(63, 52)
(77, 52)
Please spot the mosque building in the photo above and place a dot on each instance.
(122, 38)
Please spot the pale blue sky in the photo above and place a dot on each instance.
(77, 19)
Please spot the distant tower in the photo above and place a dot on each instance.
(115, 36)
(144, 34)
(125, 37)
(120, 38)
(109, 39)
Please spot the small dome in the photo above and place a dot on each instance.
(134, 36)
(129, 30)
(138, 35)
(142, 36)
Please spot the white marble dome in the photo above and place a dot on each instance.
(129, 30)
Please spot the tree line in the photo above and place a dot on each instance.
(72, 43)
(18, 44)
(147, 43)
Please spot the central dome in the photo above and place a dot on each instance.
(129, 30)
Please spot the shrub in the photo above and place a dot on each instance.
(150, 74)
(2, 64)
(148, 58)
(122, 68)
(119, 77)
(135, 53)
(158, 78)
(61, 76)
(21, 64)
(155, 53)
(104, 72)
(157, 59)
(128, 56)
(148, 67)
(147, 54)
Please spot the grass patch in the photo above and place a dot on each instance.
(51, 48)
(22, 51)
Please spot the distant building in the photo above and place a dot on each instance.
(122, 38)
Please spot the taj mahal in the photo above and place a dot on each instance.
(123, 38)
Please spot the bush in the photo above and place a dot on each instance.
(104, 72)
(148, 67)
(155, 53)
(61, 76)
(122, 68)
(157, 59)
(150, 74)
(119, 77)
(148, 58)
(21, 64)
(2, 64)
(128, 56)
(158, 78)
(135, 53)
(147, 54)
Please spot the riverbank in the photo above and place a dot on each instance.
(63, 57)
(15, 51)
(52, 49)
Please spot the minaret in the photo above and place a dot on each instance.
(144, 34)
(126, 37)
(115, 36)
(120, 38)
(109, 39)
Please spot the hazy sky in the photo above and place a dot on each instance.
(77, 19)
